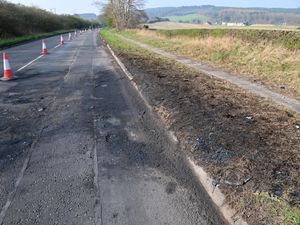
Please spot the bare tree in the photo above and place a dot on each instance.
(123, 13)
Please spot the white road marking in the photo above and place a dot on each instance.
(28, 64)
(57, 46)
(13, 193)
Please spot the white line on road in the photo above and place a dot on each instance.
(12, 194)
(57, 46)
(28, 64)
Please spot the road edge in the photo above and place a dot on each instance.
(204, 179)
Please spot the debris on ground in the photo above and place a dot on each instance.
(248, 145)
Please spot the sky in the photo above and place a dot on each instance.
(87, 6)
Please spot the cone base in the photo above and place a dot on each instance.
(6, 79)
(8, 75)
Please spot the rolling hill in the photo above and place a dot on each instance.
(88, 16)
(215, 14)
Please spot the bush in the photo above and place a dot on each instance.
(18, 20)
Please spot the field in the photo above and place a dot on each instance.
(173, 26)
(176, 25)
(218, 15)
(188, 18)
(271, 58)
(254, 162)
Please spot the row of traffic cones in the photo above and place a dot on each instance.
(8, 74)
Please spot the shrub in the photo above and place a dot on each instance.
(18, 20)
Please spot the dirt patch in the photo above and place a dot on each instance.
(248, 145)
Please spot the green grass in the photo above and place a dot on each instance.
(112, 39)
(188, 18)
(274, 207)
(18, 40)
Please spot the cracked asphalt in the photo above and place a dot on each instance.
(78, 145)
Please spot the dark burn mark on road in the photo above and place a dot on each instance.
(155, 151)
(171, 188)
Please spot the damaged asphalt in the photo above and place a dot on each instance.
(79, 146)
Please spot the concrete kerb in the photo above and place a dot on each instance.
(130, 77)
(203, 177)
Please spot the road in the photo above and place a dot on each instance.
(80, 146)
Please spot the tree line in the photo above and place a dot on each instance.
(18, 20)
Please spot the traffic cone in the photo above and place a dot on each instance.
(8, 74)
(62, 41)
(70, 36)
(44, 48)
(75, 34)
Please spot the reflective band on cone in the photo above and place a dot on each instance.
(62, 40)
(44, 48)
(8, 74)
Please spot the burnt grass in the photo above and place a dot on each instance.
(247, 144)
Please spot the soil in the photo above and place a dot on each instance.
(247, 144)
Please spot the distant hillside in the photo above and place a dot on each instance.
(87, 16)
(227, 14)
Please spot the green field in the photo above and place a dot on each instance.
(188, 18)
(176, 25)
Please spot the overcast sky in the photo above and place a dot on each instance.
(86, 6)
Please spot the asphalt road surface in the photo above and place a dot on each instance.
(79, 146)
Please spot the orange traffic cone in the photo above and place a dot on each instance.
(8, 74)
(70, 36)
(44, 48)
(62, 41)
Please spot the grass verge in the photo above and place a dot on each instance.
(256, 55)
(5, 43)
(250, 147)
